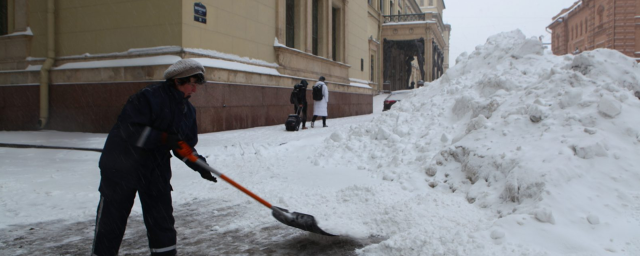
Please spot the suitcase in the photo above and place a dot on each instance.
(293, 121)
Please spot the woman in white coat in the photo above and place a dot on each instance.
(320, 106)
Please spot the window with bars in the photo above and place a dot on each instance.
(4, 19)
(290, 20)
(314, 27)
(430, 2)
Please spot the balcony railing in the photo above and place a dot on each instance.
(404, 18)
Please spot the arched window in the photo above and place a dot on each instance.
(600, 14)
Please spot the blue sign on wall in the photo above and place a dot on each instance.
(199, 9)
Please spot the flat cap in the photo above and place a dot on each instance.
(183, 68)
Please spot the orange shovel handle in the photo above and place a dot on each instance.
(186, 152)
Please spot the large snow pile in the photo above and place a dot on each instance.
(545, 146)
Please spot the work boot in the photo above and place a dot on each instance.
(304, 128)
(325, 125)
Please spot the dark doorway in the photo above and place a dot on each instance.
(398, 55)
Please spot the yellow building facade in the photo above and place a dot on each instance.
(70, 65)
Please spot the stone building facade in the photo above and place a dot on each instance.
(71, 65)
(591, 24)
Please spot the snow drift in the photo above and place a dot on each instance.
(526, 136)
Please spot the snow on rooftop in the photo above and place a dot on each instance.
(561, 17)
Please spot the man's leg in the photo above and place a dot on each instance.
(324, 121)
(113, 211)
(158, 218)
(304, 117)
(313, 119)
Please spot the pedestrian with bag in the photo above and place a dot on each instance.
(320, 101)
(299, 101)
(130, 165)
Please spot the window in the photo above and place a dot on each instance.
(581, 28)
(391, 8)
(4, 19)
(382, 7)
(334, 33)
(371, 2)
(361, 64)
(430, 2)
(421, 2)
(290, 20)
(314, 27)
(586, 25)
(600, 14)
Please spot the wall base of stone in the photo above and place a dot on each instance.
(94, 107)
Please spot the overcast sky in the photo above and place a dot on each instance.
(472, 21)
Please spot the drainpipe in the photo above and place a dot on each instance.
(46, 67)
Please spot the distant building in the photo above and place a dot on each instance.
(591, 24)
(415, 42)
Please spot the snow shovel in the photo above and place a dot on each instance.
(295, 219)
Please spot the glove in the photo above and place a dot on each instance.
(171, 140)
(204, 173)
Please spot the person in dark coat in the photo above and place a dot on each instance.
(300, 101)
(131, 163)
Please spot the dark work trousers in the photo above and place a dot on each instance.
(115, 205)
(303, 113)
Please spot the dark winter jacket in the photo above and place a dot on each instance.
(164, 109)
(301, 97)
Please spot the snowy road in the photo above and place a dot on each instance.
(205, 226)
(196, 236)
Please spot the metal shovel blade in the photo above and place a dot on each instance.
(302, 221)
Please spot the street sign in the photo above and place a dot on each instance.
(199, 13)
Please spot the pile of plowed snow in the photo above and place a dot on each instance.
(529, 136)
